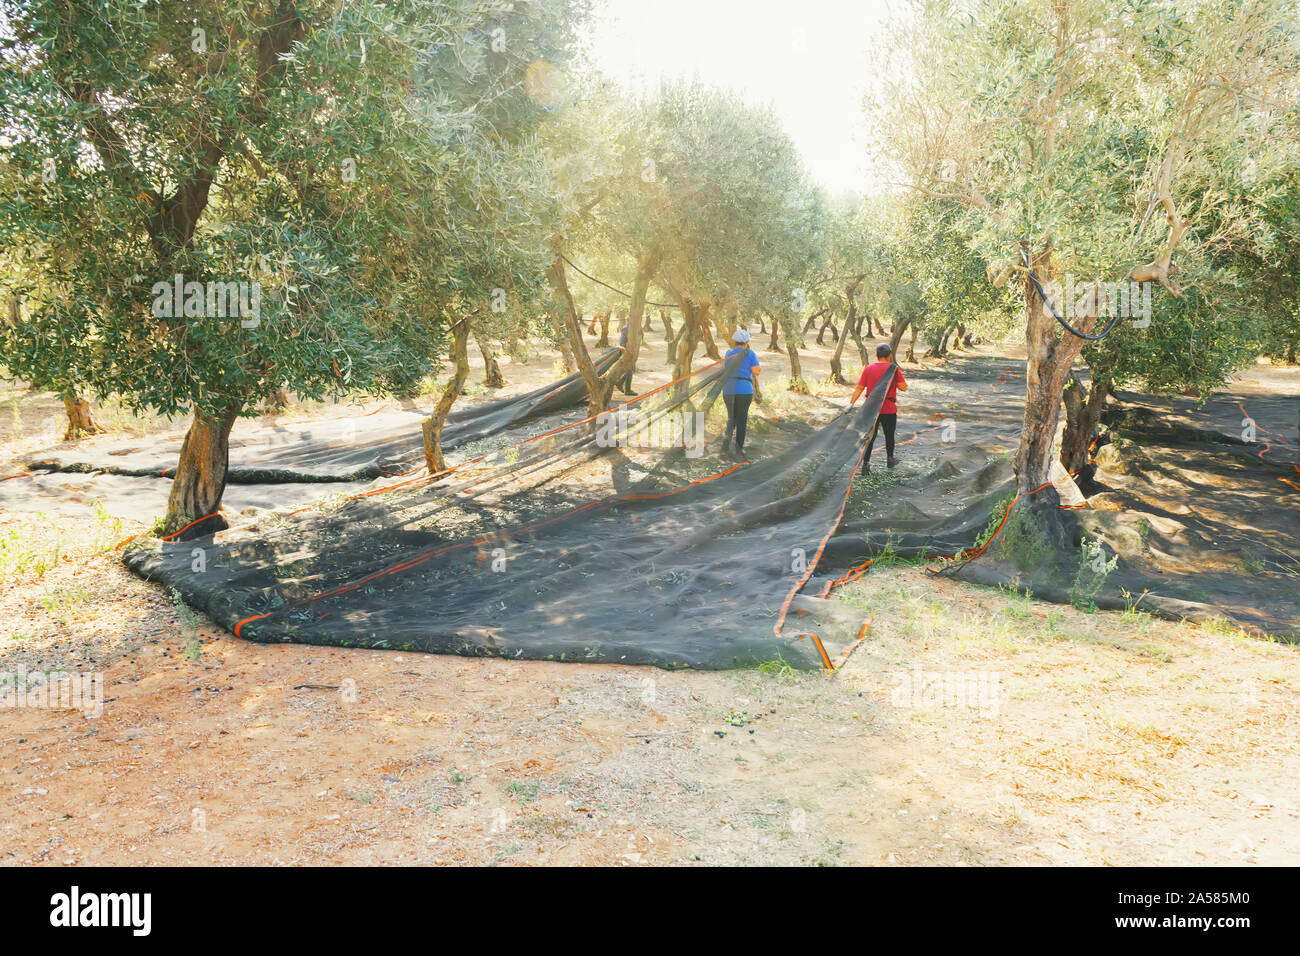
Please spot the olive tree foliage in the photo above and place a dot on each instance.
(335, 159)
(1269, 268)
(725, 195)
(1092, 139)
(1240, 306)
(64, 381)
(1228, 314)
(936, 285)
(592, 173)
(478, 262)
(684, 185)
(794, 255)
(854, 243)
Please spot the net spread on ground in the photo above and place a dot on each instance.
(633, 537)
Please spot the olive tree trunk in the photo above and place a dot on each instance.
(851, 322)
(707, 311)
(837, 357)
(829, 323)
(731, 319)
(897, 335)
(600, 389)
(200, 480)
(636, 324)
(80, 421)
(1049, 359)
(797, 383)
(491, 370)
(1083, 408)
(431, 427)
(562, 340)
(684, 348)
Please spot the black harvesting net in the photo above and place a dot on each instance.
(346, 449)
(625, 538)
(632, 537)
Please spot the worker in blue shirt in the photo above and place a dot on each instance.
(738, 389)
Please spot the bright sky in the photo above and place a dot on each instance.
(807, 58)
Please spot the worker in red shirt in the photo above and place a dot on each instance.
(888, 419)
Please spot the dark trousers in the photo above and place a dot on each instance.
(625, 384)
(737, 417)
(887, 422)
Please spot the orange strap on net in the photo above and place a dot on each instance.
(812, 565)
(168, 537)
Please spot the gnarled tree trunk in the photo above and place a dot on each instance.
(562, 340)
(80, 421)
(200, 480)
(491, 370)
(277, 403)
(600, 389)
(837, 367)
(671, 344)
(636, 324)
(863, 355)
(1083, 408)
(731, 322)
(431, 427)
(684, 350)
(797, 383)
(707, 311)
(827, 323)
(1046, 370)
(897, 336)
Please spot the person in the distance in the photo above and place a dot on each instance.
(738, 390)
(888, 419)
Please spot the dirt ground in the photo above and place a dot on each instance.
(971, 727)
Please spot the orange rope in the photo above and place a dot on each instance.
(168, 537)
(812, 565)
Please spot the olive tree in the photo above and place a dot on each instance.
(1088, 139)
(221, 199)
